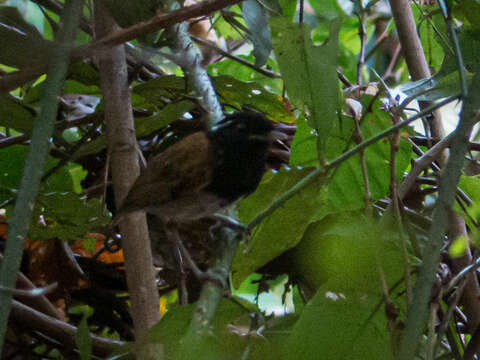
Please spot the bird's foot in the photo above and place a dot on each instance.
(231, 223)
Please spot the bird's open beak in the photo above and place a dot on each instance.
(273, 136)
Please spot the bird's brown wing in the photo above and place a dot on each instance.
(184, 168)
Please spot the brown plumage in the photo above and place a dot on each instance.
(205, 171)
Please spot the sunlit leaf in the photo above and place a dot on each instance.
(256, 18)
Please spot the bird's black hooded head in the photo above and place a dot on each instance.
(240, 145)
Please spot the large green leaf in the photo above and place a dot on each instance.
(238, 93)
(156, 90)
(309, 71)
(67, 216)
(346, 249)
(169, 113)
(335, 326)
(346, 189)
(225, 340)
(340, 258)
(284, 228)
(304, 146)
(21, 43)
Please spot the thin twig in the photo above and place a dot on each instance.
(160, 21)
(322, 171)
(248, 64)
(363, 39)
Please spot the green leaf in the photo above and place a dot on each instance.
(339, 259)
(224, 26)
(284, 228)
(432, 31)
(78, 174)
(309, 72)
(256, 19)
(245, 74)
(288, 8)
(438, 87)
(459, 246)
(91, 147)
(156, 90)
(326, 9)
(469, 39)
(35, 93)
(83, 340)
(128, 13)
(471, 186)
(346, 249)
(169, 113)
(16, 116)
(67, 216)
(346, 189)
(220, 343)
(237, 93)
(304, 146)
(340, 326)
(21, 43)
(471, 10)
(12, 160)
(83, 73)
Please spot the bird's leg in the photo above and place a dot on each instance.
(182, 277)
(172, 232)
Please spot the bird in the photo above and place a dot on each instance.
(198, 176)
(205, 171)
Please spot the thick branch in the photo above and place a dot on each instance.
(413, 52)
(59, 330)
(122, 148)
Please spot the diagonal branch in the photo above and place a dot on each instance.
(160, 21)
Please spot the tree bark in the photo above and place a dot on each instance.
(124, 160)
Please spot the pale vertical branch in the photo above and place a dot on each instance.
(413, 52)
(417, 313)
(124, 164)
(188, 56)
(35, 163)
(362, 34)
(418, 69)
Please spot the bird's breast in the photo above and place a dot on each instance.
(189, 207)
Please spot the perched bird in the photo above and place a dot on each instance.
(205, 171)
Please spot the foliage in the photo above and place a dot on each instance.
(348, 241)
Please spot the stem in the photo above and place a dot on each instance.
(336, 162)
(35, 163)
